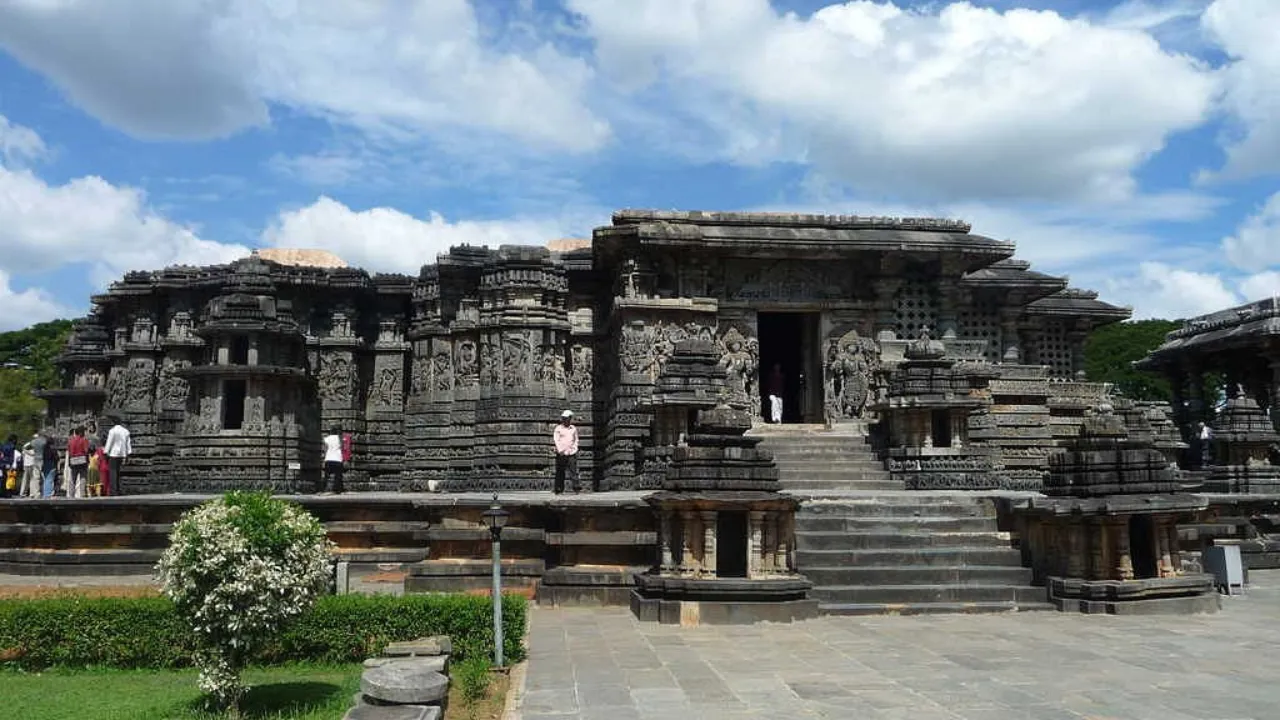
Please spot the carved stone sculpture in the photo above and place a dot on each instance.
(742, 364)
(851, 361)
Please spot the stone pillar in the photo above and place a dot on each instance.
(1124, 560)
(708, 542)
(666, 561)
(1195, 399)
(1275, 392)
(770, 565)
(1076, 339)
(1011, 338)
(886, 308)
(1161, 542)
(785, 533)
(1178, 399)
(948, 310)
(1175, 556)
(755, 543)
(1099, 567)
(689, 556)
(1075, 549)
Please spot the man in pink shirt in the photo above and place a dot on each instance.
(566, 440)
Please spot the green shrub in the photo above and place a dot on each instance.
(147, 633)
(472, 676)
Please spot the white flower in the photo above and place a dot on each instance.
(236, 589)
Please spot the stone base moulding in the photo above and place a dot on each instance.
(690, 602)
(1182, 595)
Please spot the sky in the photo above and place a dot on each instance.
(1131, 146)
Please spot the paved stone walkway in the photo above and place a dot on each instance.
(587, 664)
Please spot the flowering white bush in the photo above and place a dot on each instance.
(238, 569)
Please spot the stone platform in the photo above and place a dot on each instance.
(582, 547)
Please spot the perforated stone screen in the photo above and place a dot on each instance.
(917, 308)
(982, 322)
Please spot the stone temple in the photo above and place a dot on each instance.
(911, 357)
(228, 375)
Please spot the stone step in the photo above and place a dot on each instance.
(931, 608)
(924, 524)
(839, 485)
(918, 557)
(828, 577)
(835, 463)
(896, 509)
(898, 540)
(851, 478)
(929, 593)
(832, 471)
(823, 450)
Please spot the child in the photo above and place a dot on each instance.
(95, 480)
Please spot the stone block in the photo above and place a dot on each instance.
(423, 646)
(409, 681)
(392, 712)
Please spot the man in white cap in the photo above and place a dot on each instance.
(566, 441)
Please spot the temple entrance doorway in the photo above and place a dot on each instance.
(790, 357)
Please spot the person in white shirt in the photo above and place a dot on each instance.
(1206, 445)
(332, 461)
(117, 448)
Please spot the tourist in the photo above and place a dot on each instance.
(78, 462)
(8, 463)
(1206, 442)
(777, 386)
(104, 471)
(94, 477)
(566, 443)
(48, 467)
(31, 468)
(333, 464)
(118, 448)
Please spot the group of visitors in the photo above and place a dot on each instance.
(86, 468)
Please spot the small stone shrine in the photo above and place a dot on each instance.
(1105, 538)
(927, 412)
(725, 532)
(1241, 449)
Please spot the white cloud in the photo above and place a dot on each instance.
(388, 240)
(1256, 243)
(18, 144)
(960, 102)
(1159, 290)
(204, 68)
(1246, 30)
(109, 228)
(27, 307)
(1261, 285)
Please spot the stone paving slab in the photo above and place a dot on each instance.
(601, 663)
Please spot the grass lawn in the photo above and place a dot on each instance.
(298, 692)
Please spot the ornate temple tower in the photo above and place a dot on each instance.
(251, 417)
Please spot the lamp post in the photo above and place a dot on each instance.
(496, 517)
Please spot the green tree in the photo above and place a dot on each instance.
(27, 364)
(1110, 352)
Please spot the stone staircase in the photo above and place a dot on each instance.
(812, 459)
(871, 547)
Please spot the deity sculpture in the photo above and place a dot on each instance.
(849, 367)
(741, 364)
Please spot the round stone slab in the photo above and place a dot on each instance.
(392, 712)
(407, 682)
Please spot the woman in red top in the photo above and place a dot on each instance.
(104, 471)
(78, 460)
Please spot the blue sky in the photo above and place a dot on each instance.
(1134, 146)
